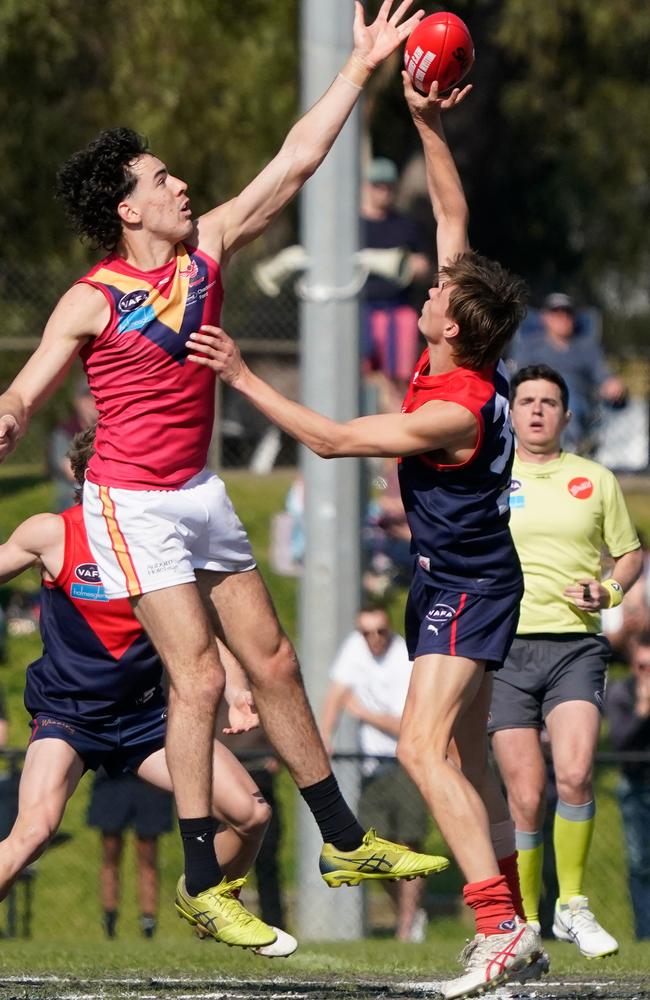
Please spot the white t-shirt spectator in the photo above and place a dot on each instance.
(379, 682)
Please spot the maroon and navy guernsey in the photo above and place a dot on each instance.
(155, 410)
(97, 662)
(459, 514)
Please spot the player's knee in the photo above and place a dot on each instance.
(280, 667)
(253, 823)
(204, 685)
(526, 804)
(33, 832)
(574, 783)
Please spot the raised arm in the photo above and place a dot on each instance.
(80, 314)
(436, 425)
(237, 222)
(444, 184)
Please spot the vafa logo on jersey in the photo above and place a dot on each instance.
(132, 300)
(91, 587)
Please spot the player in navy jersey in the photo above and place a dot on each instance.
(454, 443)
(95, 696)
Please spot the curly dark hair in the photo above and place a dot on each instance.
(81, 450)
(93, 182)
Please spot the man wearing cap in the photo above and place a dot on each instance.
(390, 331)
(578, 355)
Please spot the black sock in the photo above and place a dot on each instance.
(335, 819)
(110, 920)
(201, 866)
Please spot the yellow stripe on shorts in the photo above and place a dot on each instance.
(118, 543)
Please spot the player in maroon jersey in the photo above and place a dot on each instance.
(454, 443)
(160, 526)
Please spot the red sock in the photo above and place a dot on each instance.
(236, 893)
(508, 867)
(491, 901)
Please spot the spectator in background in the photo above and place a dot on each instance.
(628, 710)
(391, 339)
(577, 354)
(117, 804)
(369, 680)
(84, 415)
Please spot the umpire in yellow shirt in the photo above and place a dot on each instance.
(564, 511)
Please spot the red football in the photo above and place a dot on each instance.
(439, 48)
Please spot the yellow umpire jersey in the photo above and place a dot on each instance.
(563, 514)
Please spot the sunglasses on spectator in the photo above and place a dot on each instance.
(375, 631)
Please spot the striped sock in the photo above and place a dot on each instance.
(530, 860)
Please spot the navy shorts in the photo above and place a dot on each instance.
(119, 745)
(454, 623)
(119, 803)
(543, 671)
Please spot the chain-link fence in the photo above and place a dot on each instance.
(262, 312)
(58, 896)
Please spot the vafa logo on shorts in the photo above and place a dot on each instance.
(439, 615)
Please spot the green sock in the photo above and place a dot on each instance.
(572, 832)
(530, 860)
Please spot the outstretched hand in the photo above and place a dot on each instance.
(9, 434)
(373, 43)
(242, 714)
(216, 350)
(426, 107)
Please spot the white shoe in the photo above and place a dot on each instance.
(575, 922)
(494, 959)
(283, 946)
(418, 931)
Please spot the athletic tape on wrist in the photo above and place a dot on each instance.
(615, 592)
(347, 79)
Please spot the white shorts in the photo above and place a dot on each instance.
(146, 540)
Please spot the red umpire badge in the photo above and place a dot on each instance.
(580, 488)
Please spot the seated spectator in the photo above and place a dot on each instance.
(577, 354)
(628, 710)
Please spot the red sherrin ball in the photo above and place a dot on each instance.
(439, 48)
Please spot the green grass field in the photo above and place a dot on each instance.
(66, 932)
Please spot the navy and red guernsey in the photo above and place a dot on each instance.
(459, 514)
(97, 662)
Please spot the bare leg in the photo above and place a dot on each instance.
(109, 879)
(270, 663)
(236, 801)
(409, 897)
(177, 624)
(146, 852)
(521, 763)
(440, 704)
(573, 727)
(51, 773)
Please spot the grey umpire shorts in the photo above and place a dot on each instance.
(543, 671)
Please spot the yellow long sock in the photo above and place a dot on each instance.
(530, 860)
(572, 832)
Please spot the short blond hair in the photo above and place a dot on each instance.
(488, 304)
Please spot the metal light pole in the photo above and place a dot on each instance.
(330, 384)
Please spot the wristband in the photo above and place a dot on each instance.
(351, 82)
(614, 590)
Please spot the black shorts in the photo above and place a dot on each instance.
(475, 626)
(119, 745)
(117, 804)
(543, 671)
